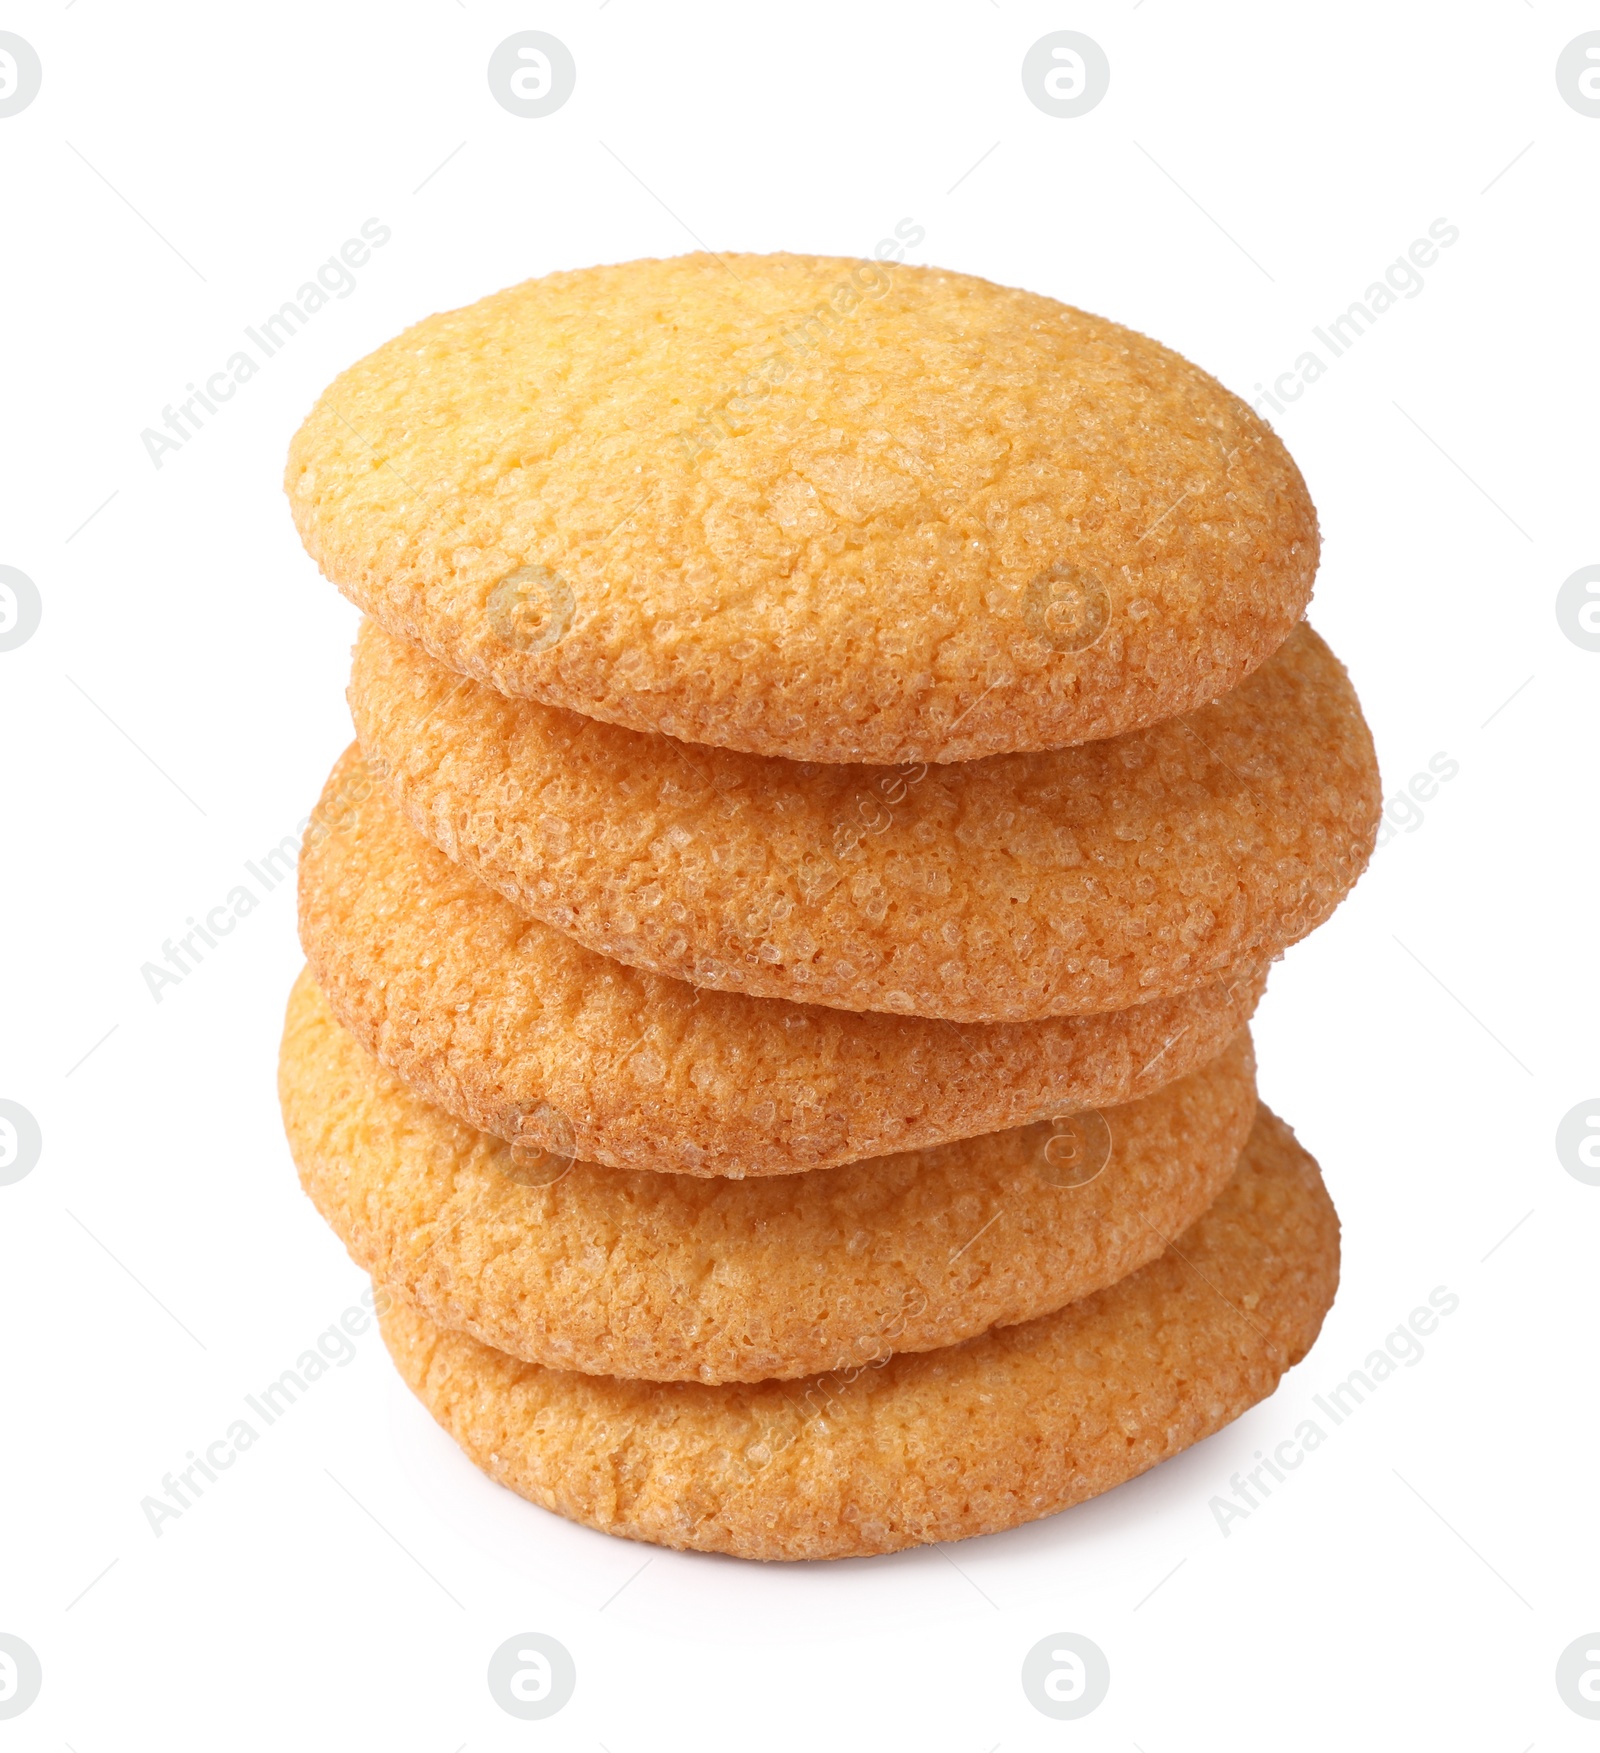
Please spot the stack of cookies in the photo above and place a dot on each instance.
(838, 748)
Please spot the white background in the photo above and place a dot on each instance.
(1252, 171)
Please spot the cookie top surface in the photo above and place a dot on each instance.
(518, 1029)
(809, 506)
(1086, 879)
(628, 1273)
(935, 1445)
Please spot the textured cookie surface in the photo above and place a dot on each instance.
(1022, 886)
(515, 1027)
(627, 1273)
(934, 1445)
(830, 509)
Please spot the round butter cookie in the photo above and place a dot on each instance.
(809, 506)
(516, 1028)
(934, 1445)
(622, 1272)
(1024, 886)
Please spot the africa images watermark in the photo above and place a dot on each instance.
(866, 282)
(335, 1348)
(1401, 1346)
(1075, 1153)
(531, 609)
(273, 868)
(334, 278)
(817, 1396)
(816, 873)
(1403, 812)
(1401, 279)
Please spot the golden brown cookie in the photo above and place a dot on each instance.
(930, 1446)
(1024, 886)
(627, 1273)
(514, 1027)
(808, 506)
